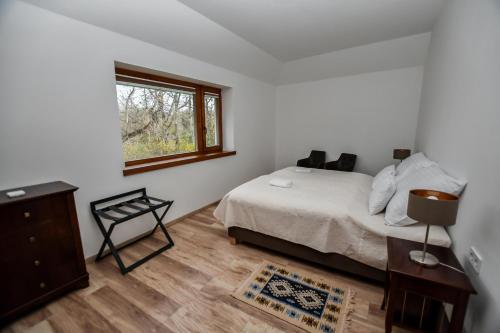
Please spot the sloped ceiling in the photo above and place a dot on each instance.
(254, 37)
(174, 26)
(294, 29)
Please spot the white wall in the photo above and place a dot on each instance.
(382, 56)
(59, 116)
(458, 127)
(367, 114)
(172, 25)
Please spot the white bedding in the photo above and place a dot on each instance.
(324, 210)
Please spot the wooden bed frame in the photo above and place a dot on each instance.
(331, 260)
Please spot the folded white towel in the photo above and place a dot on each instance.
(281, 182)
(303, 170)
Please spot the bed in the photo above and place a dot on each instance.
(322, 218)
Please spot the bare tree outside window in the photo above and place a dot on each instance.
(155, 121)
(211, 120)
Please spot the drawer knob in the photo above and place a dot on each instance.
(27, 215)
(37, 263)
(32, 239)
(42, 285)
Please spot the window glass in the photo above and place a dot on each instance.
(211, 121)
(155, 121)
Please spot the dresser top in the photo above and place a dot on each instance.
(36, 191)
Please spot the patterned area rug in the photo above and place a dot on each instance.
(298, 297)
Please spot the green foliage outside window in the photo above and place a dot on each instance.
(211, 120)
(155, 121)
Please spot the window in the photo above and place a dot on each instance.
(167, 119)
(211, 119)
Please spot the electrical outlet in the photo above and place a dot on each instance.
(475, 259)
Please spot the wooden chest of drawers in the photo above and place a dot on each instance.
(41, 254)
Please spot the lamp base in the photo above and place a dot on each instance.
(428, 261)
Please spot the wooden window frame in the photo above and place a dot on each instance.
(202, 152)
(213, 91)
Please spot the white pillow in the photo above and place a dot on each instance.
(430, 178)
(412, 163)
(382, 192)
(383, 174)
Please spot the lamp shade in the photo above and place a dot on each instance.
(432, 207)
(401, 154)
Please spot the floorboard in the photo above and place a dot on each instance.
(185, 289)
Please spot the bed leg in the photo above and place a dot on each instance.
(233, 240)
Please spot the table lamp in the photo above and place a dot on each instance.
(431, 208)
(401, 154)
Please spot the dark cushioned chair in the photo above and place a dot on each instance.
(345, 162)
(315, 160)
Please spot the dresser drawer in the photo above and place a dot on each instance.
(55, 251)
(52, 244)
(14, 218)
(35, 262)
(18, 280)
(25, 281)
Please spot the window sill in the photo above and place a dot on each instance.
(132, 170)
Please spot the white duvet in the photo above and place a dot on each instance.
(324, 210)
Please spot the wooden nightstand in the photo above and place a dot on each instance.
(441, 284)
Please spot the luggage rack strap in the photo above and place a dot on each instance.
(143, 201)
(116, 208)
(129, 205)
(107, 216)
(155, 199)
(132, 203)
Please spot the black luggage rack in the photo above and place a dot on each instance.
(125, 211)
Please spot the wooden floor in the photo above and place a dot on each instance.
(186, 289)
